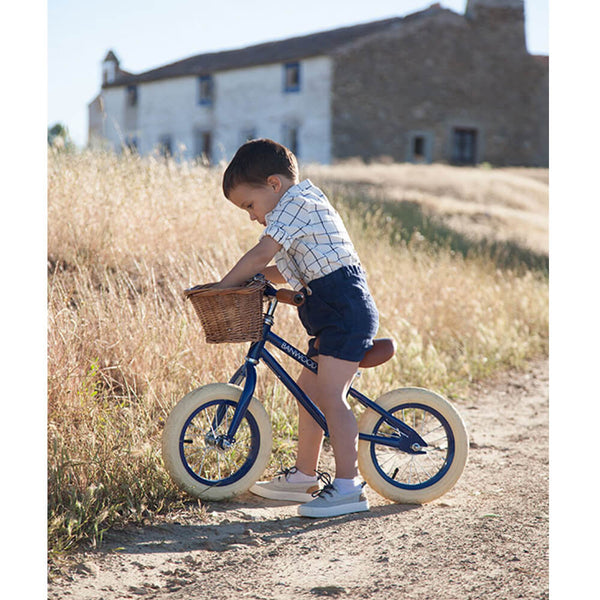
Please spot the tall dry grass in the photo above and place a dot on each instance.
(502, 204)
(126, 235)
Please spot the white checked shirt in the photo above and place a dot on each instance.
(313, 237)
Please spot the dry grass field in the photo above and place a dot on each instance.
(507, 205)
(456, 259)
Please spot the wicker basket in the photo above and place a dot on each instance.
(229, 315)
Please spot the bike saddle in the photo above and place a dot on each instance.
(383, 349)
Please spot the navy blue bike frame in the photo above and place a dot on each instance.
(404, 438)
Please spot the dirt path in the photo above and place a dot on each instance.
(487, 538)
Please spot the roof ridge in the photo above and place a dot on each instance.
(381, 22)
(286, 49)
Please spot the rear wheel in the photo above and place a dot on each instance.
(414, 478)
(194, 454)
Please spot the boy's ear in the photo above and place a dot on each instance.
(274, 182)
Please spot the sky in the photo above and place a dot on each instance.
(147, 33)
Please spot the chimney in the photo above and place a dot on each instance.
(110, 68)
(504, 18)
(476, 8)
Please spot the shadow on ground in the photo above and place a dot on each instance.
(231, 524)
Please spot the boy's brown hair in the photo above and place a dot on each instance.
(257, 160)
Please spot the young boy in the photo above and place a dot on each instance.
(314, 254)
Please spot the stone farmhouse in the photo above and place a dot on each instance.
(434, 86)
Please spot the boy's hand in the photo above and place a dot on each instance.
(254, 261)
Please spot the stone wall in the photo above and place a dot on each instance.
(438, 72)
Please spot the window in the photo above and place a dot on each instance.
(165, 146)
(464, 146)
(419, 147)
(205, 90)
(291, 77)
(203, 143)
(290, 138)
(132, 96)
(131, 142)
(420, 144)
(247, 135)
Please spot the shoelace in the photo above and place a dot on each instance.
(321, 476)
(327, 488)
(285, 471)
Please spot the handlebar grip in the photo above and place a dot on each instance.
(290, 297)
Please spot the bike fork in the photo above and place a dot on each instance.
(248, 370)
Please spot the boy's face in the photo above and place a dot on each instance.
(259, 200)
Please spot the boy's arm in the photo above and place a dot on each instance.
(253, 262)
(273, 274)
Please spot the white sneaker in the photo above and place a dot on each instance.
(329, 502)
(280, 488)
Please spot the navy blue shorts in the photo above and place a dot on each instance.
(340, 314)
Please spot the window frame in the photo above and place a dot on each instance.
(457, 153)
(132, 95)
(247, 134)
(203, 142)
(291, 137)
(289, 88)
(206, 96)
(426, 139)
(165, 145)
(132, 143)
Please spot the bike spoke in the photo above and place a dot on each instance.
(419, 465)
(207, 460)
(414, 470)
(385, 459)
(432, 431)
(202, 462)
(434, 443)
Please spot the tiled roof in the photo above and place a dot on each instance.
(295, 48)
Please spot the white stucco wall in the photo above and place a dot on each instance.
(254, 99)
(244, 100)
(114, 109)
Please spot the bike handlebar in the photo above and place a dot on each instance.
(290, 297)
(283, 295)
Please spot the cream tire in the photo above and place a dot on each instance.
(380, 471)
(204, 470)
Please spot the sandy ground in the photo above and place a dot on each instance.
(486, 538)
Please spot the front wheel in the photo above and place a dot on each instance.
(414, 478)
(196, 461)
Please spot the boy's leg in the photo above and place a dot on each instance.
(293, 484)
(346, 495)
(310, 435)
(329, 392)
